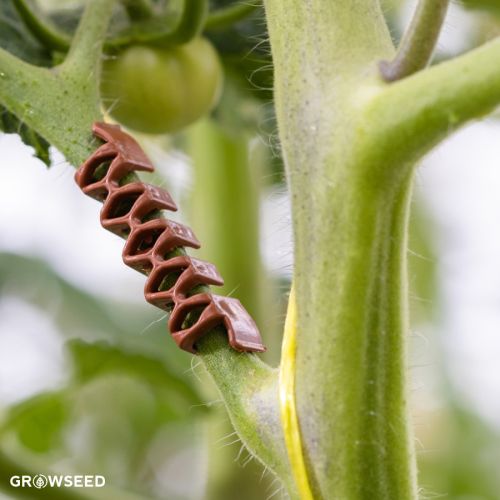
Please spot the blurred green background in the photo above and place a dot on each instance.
(91, 383)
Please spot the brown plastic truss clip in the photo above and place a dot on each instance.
(133, 210)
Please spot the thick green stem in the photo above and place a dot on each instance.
(349, 217)
(350, 143)
(352, 314)
(352, 328)
(418, 43)
(320, 48)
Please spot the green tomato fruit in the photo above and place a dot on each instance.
(162, 90)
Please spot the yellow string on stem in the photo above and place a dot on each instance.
(289, 418)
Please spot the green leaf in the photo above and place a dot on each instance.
(465, 454)
(10, 124)
(92, 360)
(75, 311)
(18, 40)
(39, 421)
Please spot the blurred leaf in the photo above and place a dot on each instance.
(39, 421)
(238, 112)
(100, 358)
(35, 280)
(18, 40)
(128, 396)
(465, 458)
(245, 51)
(78, 312)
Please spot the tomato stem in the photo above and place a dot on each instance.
(84, 56)
(349, 222)
(227, 16)
(436, 103)
(418, 43)
(189, 24)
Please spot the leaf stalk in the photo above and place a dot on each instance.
(419, 41)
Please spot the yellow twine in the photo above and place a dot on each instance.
(289, 417)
